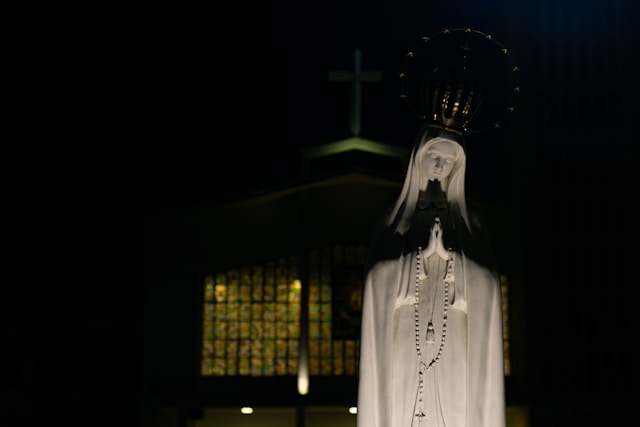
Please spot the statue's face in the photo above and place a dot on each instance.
(438, 160)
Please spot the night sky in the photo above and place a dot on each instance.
(143, 109)
(127, 111)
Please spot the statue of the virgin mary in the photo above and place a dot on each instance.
(431, 346)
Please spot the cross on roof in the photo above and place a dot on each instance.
(356, 77)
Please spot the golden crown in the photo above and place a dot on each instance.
(464, 82)
(451, 97)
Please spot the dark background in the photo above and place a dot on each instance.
(120, 112)
(117, 113)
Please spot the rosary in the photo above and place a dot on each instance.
(423, 367)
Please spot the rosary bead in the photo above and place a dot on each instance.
(423, 368)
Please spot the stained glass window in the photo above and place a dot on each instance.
(251, 316)
(251, 321)
(335, 296)
(504, 288)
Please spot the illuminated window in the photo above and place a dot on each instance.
(251, 316)
(251, 321)
(335, 298)
(504, 288)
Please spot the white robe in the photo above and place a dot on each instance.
(466, 387)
